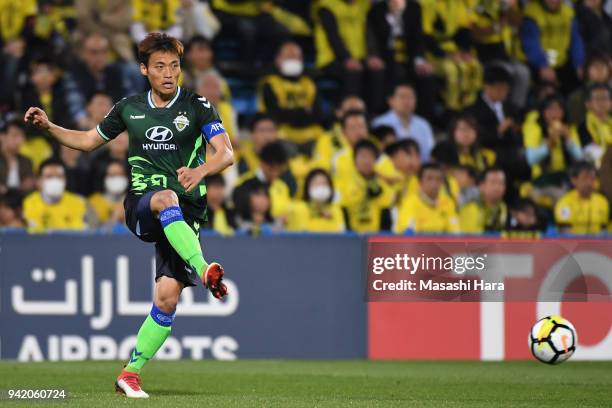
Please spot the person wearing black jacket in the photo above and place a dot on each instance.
(395, 35)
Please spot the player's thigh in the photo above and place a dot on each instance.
(167, 293)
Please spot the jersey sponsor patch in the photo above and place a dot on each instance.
(212, 129)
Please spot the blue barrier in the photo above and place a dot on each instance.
(73, 297)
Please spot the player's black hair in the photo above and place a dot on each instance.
(274, 153)
(406, 145)
(154, 42)
(496, 74)
(580, 167)
(429, 166)
(259, 117)
(312, 174)
(350, 114)
(365, 144)
(489, 170)
(597, 86)
(199, 40)
(53, 161)
(215, 180)
(380, 132)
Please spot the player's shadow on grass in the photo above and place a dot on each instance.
(155, 392)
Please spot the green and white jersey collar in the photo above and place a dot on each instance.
(176, 96)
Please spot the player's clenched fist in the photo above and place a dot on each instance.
(189, 178)
(37, 117)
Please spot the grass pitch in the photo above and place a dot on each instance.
(289, 383)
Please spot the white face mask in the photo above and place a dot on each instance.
(320, 194)
(115, 184)
(291, 67)
(53, 187)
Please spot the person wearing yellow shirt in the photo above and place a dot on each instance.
(488, 213)
(354, 130)
(14, 14)
(551, 41)
(428, 210)
(550, 149)
(273, 163)
(341, 48)
(595, 132)
(262, 130)
(582, 210)
(107, 206)
(155, 15)
(365, 197)
(51, 207)
(290, 96)
(317, 212)
(219, 217)
(401, 170)
(332, 142)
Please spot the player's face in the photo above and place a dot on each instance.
(163, 72)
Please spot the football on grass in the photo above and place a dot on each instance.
(553, 339)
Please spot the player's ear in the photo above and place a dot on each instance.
(143, 69)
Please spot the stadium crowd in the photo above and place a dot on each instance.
(429, 116)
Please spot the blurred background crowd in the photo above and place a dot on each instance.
(429, 116)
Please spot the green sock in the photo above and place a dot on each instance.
(182, 238)
(152, 334)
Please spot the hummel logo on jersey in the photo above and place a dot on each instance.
(204, 101)
(137, 116)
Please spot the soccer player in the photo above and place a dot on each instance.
(169, 131)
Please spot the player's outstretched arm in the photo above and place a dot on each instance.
(222, 158)
(81, 140)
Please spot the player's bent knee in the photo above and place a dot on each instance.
(164, 199)
(167, 303)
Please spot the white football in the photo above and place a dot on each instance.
(553, 339)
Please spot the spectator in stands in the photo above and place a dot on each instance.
(582, 210)
(467, 178)
(550, 148)
(157, 15)
(332, 142)
(199, 60)
(595, 27)
(111, 19)
(488, 213)
(290, 96)
(97, 107)
(58, 96)
(552, 42)
(405, 159)
(524, 221)
(262, 130)
(595, 132)
(493, 26)
(465, 140)
(197, 19)
(52, 207)
(395, 36)
(384, 136)
(211, 87)
(445, 155)
(219, 217)
(115, 150)
(428, 210)
(340, 42)
(273, 162)
(354, 129)
(405, 122)
(365, 197)
(15, 169)
(10, 209)
(77, 168)
(256, 217)
(598, 71)
(107, 206)
(317, 211)
(17, 18)
(446, 26)
(94, 72)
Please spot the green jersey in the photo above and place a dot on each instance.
(162, 140)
